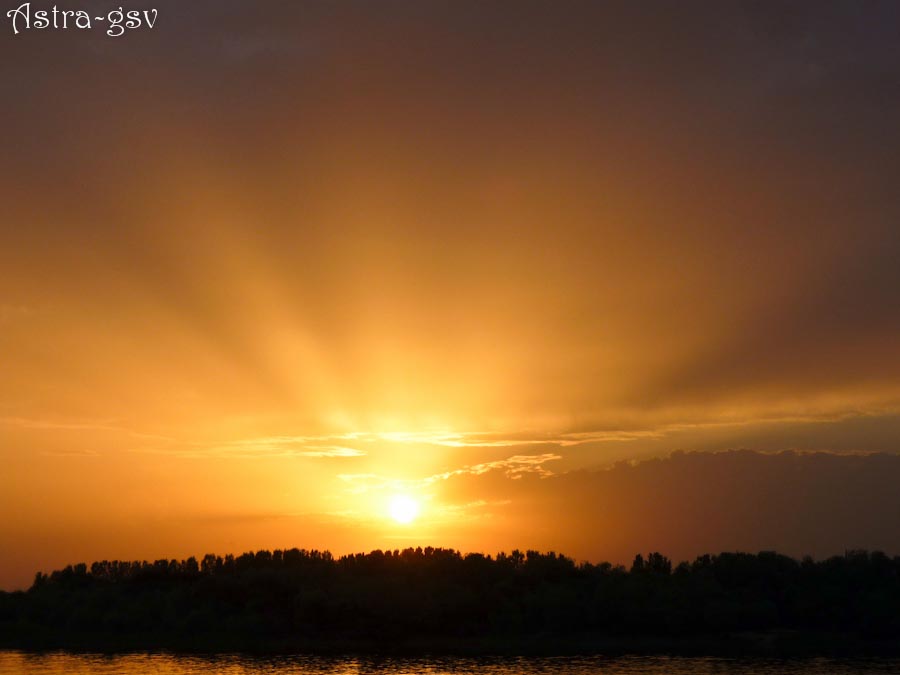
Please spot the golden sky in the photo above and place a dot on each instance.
(272, 264)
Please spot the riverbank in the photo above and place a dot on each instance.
(773, 644)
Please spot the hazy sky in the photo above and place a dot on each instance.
(269, 264)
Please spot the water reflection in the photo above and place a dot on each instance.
(17, 663)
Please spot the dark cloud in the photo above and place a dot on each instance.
(816, 504)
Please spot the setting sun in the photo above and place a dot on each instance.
(404, 509)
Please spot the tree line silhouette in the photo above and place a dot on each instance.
(303, 598)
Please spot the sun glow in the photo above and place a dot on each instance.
(403, 509)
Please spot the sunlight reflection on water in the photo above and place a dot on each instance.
(17, 663)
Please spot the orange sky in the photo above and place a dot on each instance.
(270, 264)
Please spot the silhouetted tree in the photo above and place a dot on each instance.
(300, 596)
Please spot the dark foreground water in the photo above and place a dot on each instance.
(17, 663)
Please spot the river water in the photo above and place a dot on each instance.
(17, 663)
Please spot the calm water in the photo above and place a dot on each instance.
(15, 663)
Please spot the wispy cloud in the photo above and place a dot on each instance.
(105, 425)
(360, 444)
(330, 451)
(265, 446)
(480, 508)
(260, 448)
(296, 446)
(70, 453)
(514, 468)
(628, 433)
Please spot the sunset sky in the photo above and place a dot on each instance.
(271, 265)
